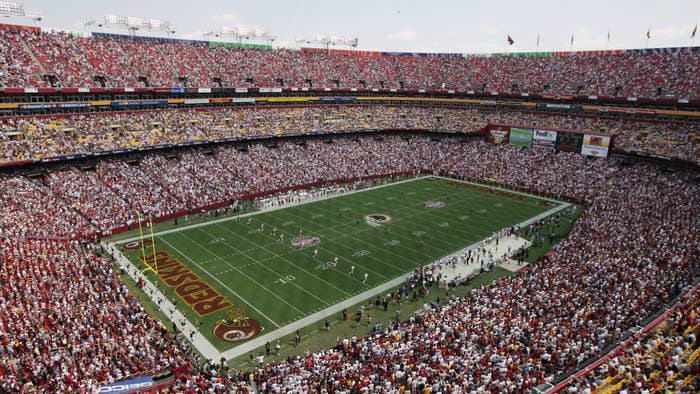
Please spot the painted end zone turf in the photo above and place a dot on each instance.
(284, 288)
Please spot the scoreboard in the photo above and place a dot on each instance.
(569, 141)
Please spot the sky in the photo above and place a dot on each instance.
(466, 26)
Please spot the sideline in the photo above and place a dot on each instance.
(270, 209)
(209, 351)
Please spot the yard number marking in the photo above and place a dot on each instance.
(285, 279)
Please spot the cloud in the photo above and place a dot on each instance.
(192, 35)
(661, 36)
(672, 33)
(78, 25)
(585, 38)
(486, 31)
(467, 47)
(225, 18)
(403, 35)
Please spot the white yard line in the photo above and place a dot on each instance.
(198, 340)
(294, 249)
(238, 270)
(337, 240)
(259, 263)
(290, 262)
(209, 351)
(428, 213)
(310, 319)
(334, 309)
(221, 283)
(498, 188)
(293, 204)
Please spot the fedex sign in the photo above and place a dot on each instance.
(128, 386)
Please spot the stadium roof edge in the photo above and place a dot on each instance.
(507, 54)
(376, 53)
(178, 40)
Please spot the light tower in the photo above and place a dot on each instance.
(239, 34)
(10, 9)
(134, 24)
(327, 41)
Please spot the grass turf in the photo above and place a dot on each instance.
(278, 283)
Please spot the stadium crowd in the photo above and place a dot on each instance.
(94, 331)
(116, 61)
(665, 358)
(52, 136)
(156, 185)
(16, 65)
(616, 267)
(646, 137)
(629, 254)
(29, 208)
(41, 137)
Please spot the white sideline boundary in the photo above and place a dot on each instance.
(200, 342)
(209, 351)
(277, 208)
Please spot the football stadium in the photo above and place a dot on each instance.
(242, 212)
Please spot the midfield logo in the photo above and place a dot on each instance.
(377, 219)
(305, 241)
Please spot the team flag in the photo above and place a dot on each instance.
(538, 40)
(692, 35)
(649, 33)
(510, 40)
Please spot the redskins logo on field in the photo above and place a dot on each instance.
(305, 241)
(237, 326)
(377, 219)
(434, 204)
(136, 245)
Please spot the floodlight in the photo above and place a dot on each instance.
(158, 24)
(134, 22)
(9, 8)
(241, 33)
(328, 40)
(229, 30)
(115, 20)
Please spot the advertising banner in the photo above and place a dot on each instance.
(544, 138)
(498, 136)
(338, 99)
(127, 386)
(196, 101)
(595, 145)
(237, 100)
(270, 90)
(138, 103)
(520, 137)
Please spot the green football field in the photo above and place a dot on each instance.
(236, 270)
